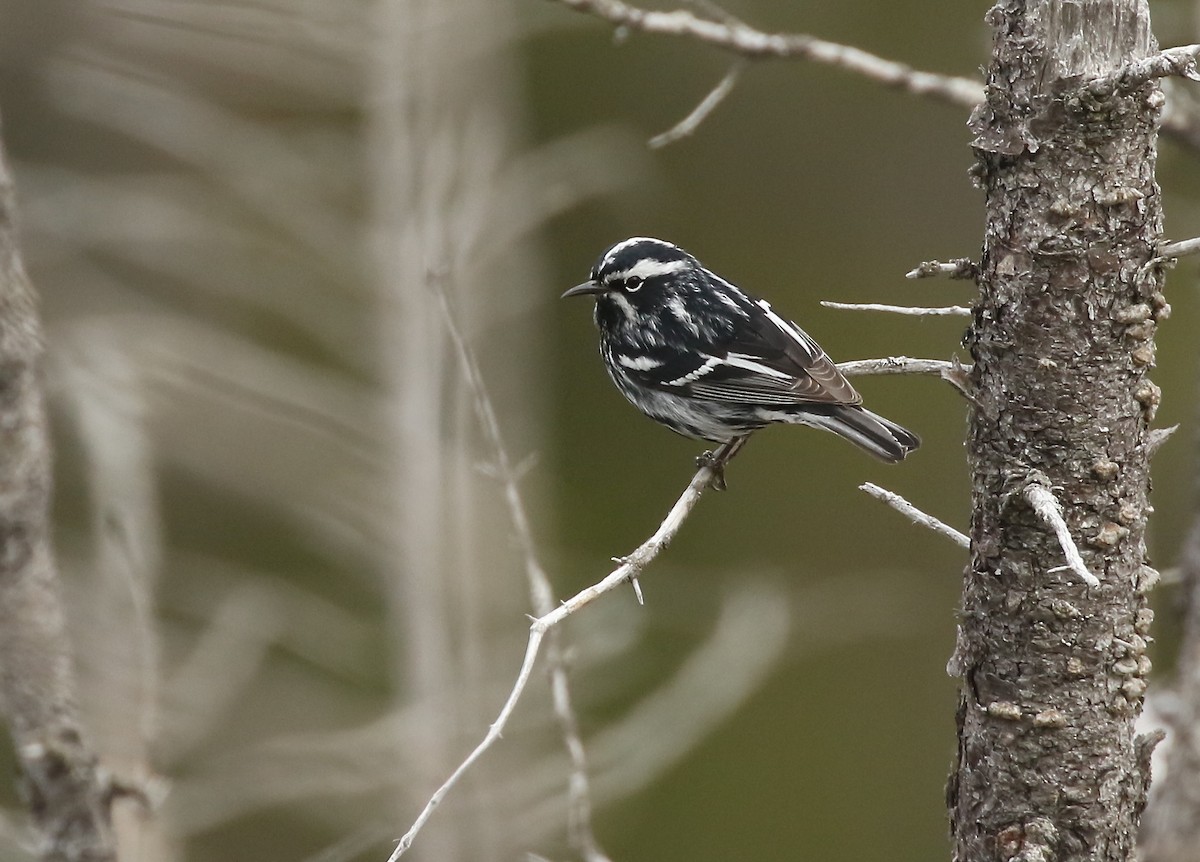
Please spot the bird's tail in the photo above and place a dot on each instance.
(881, 437)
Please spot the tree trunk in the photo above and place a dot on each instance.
(60, 780)
(1048, 765)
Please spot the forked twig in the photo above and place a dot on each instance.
(738, 38)
(540, 591)
(629, 568)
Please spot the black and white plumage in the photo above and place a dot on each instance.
(695, 353)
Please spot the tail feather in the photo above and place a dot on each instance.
(869, 431)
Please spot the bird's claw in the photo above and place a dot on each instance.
(716, 464)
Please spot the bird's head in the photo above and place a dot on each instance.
(636, 281)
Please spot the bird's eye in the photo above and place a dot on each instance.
(633, 285)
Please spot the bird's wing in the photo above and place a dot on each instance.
(767, 360)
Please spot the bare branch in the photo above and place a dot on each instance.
(1050, 511)
(897, 365)
(734, 36)
(959, 267)
(915, 515)
(579, 804)
(700, 113)
(630, 568)
(913, 310)
(1179, 62)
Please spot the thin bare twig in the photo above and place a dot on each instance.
(959, 267)
(746, 41)
(699, 114)
(541, 595)
(1050, 511)
(913, 310)
(897, 365)
(915, 515)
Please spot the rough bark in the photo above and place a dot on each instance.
(60, 779)
(1048, 764)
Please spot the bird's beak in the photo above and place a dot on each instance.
(583, 289)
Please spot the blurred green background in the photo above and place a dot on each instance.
(295, 596)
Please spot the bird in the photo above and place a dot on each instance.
(711, 362)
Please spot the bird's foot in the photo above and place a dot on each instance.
(713, 462)
(716, 460)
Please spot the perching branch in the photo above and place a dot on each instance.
(915, 515)
(912, 310)
(629, 569)
(579, 803)
(746, 41)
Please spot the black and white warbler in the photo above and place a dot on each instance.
(695, 353)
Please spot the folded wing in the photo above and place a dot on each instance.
(766, 360)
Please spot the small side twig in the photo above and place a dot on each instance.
(913, 310)
(1181, 248)
(897, 365)
(699, 114)
(959, 267)
(1169, 253)
(1179, 62)
(1050, 511)
(630, 568)
(579, 804)
(915, 515)
(954, 372)
(1155, 437)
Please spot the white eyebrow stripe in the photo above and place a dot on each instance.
(647, 268)
(709, 364)
(793, 331)
(741, 360)
(638, 363)
(612, 253)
